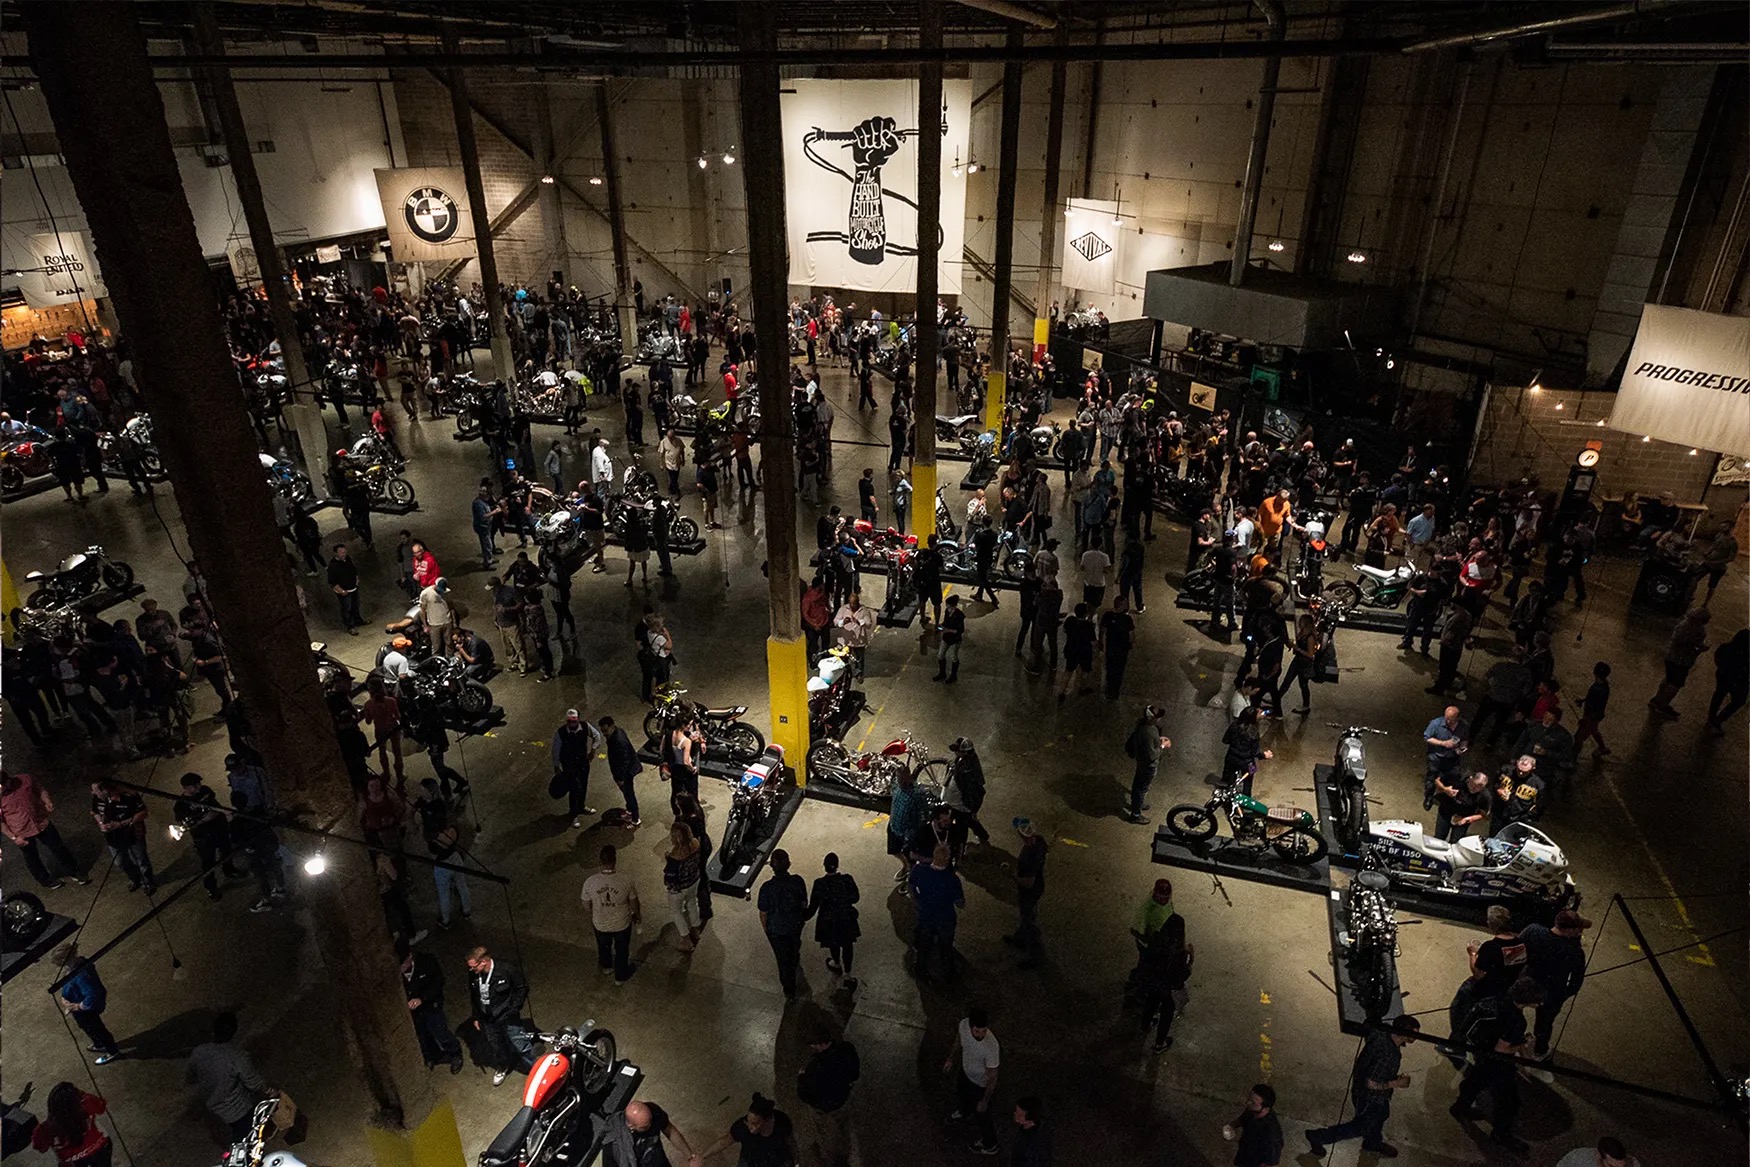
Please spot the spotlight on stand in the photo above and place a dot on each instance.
(595, 180)
(1357, 257)
(1278, 245)
(703, 162)
(177, 831)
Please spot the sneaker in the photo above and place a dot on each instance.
(1164, 1044)
(498, 1077)
(54, 886)
(636, 822)
(418, 936)
(261, 905)
(849, 982)
(589, 810)
(83, 882)
(577, 823)
(456, 1066)
(106, 1058)
(980, 1148)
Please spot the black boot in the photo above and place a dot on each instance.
(941, 673)
(954, 674)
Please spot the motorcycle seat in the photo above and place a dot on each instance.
(957, 420)
(1383, 575)
(506, 1149)
(1434, 846)
(726, 711)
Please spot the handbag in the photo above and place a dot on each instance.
(557, 786)
(1324, 670)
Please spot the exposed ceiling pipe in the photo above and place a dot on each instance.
(1272, 11)
(1676, 53)
(1008, 11)
(1530, 27)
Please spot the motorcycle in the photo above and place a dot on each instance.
(464, 399)
(440, 682)
(1349, 780)
(1183, 499)
(1012, 556)
(373, 450)
(752, 803)
(25, 918)
(1291, 832)
(559, 1097)
(738, 741)
(80, 576)
(902, 590)
(1370, 937)
(1519, 863)
(1375, 587)
(946, 527)
(873, 772)
(952, 428)
(544, 396)
(382, 483)
(331, 673)
(1309, 580)
(134, 440)
(25, 457)
(286, 479)
(251, 1150)
(830, 692)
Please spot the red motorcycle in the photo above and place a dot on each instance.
(873, 772)
(559, 1096)
(25, 459)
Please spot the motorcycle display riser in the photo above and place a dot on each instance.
(1446, 905)
(696, 547)
(739, 881)
(379, 506)
(1352, 1015)
(465, 726)
(35, 486)
(104, 598)
(1000, 582)
(1361, 619)
(1224, 857)
(825, 790)
(973, 482)
(899, 619)
(947, 453)
(57, 929)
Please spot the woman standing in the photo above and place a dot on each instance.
(682, 873)
(832, 905)
(1243, 749)
(1308, 643)
(71, 1130)
(681, 758)
(687, 811)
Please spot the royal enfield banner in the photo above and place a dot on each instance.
(426, 210)
(851, 183)
(1688, 380)
(1090, 246)
(62, 270)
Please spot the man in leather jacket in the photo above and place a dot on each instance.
(498, 992)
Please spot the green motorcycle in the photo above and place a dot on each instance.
(1292, 833)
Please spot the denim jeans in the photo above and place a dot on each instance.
(444, 878)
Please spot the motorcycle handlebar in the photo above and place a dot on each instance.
(1357, 728)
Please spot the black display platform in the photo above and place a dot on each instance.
(696, 547)
(973, 482)
(1222, 856)
(627, 1079)
(947, 453)
(58, 928)
(708, 767)
(898, 619)
(1325, 792)
(739, 880)
(32, 487)
(826, 790)
(490, 720)
(1352, 1015)
(1360, 619)
(1000, 582)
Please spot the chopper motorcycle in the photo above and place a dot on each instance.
(873, 772)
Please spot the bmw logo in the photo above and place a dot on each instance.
(431, 214)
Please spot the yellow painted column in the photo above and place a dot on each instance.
(923, 500)
(995, 389)
(436, 1142)
(9, 593)
(787, 682)
(1041, 337)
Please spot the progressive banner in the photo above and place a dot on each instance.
(1688, 380)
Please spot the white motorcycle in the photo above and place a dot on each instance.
(251, 1150)
(1519, 863)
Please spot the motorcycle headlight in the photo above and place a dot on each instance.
(177, 831)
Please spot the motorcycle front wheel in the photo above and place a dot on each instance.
(117, 577)
(467, 424)
(829, 760)
(734, 831)
(25, 919)
(932, 778)
(741, 742)
(1341, 596)
(400, 491)
(597, 1068)
(1299, 845)
(653, 725)
(11, 478)
(150, 463)
(1191, 822)
(1015, 566)
(42, 600)
(475, 699)
(683, 531)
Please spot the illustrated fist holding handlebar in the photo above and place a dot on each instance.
(874, 141)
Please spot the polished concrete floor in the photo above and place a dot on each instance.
(1662, 822)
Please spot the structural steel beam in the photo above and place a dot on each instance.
(996, 385)
(469, 147)
(1048, 213)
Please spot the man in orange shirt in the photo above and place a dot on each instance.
(1273, 515)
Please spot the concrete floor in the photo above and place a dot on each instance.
(1662, 820)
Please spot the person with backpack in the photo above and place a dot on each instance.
(1144, 746)
(1496, 1026)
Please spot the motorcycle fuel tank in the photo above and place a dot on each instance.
(545, 1080)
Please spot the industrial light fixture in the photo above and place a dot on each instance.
(1646, 437)
(703, 162)
(595, 180)
(1601, 423)
(973, 167)
(1561, 405)
(548, 180)
(729, 157)
(1357, 257)
(955, 169)
(177, 831)
(1536, 378)
(1693, 453)
(1390, 364)
(1277, 245)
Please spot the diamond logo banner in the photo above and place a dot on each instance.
(1090, 246)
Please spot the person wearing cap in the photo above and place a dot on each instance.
(1029, 890)
(765, 1133)
(1144, 746)
(1494, 1032)
(437, 615)
(395, 664)
(574, 743)
(1371, 1085)
(1557, 962)
(1152, 913)
(966, 775)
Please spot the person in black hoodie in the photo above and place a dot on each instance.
(423, 978)
(824, 1086)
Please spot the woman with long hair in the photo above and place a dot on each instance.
(1308, 643)
(687, 810)
(70, 1130)
(682, 873)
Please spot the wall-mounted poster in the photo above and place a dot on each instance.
(1202, 397)
(851, 183)
(426, 211)
(62, 270)
(1091, 241)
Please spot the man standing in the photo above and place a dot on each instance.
(1555, 960)
(226, 1078)
(937, 895)
(866, 503)
(498, 992)
(484, 508)
(783, 905)
(121, 816)
(1258, 1130)
(1459, 622)
(574, 744)
(1371, 1084)
(1029, 890)
(976, 1084)
(1144, 747)
(1496, 1026)
(636, 1134)
(612, 901)
(824, 1086)
(199, 814)
(1117, 633)
(25, 808)
(83, 997)
(1447, 738)
(437, 615)
(1461, 804)
(343, 579)
(623, 765)
(766, 1135)
(423, 979)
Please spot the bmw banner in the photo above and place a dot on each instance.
(1090, 246)
(1688, 380)
(426, 210)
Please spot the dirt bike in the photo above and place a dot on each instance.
(752, 803)
(1291, 832)
(733, 738)
(1375, 587)
(559, 1096)
(80, 576)
(873, 772)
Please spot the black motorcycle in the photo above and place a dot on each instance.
(725, 733)
(1370, 937)
(1349, 783)
(80, 576)
(440, 683)
(1183, 499)
(24, 917)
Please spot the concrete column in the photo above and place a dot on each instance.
(923, 459)
(763, 172)
(469, 148)
(303, 414)
(997, 384)
(551, 194)
(1050, 216)
(624, 304)
(1260, 147)
(97, 79)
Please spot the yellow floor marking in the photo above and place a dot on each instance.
(875, 822)
(1070, 842)
(1264, 1065)
(1701, 955)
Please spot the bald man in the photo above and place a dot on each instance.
(636, 1140)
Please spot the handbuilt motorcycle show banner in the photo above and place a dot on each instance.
(426, 211)
(1090, 246)
(851, 183)
(62, 270)
(1688, 380)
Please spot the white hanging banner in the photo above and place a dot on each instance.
(851, 183)
(62, 270)
(1091, 241)
(1688, 380)
(245, 267)
(426, 211)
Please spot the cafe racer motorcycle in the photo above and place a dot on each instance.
(559, 1095)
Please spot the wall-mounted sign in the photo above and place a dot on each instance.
(426, 211)
(1091, 242)
(62, 270)
(245, 267)
(1202, 397)
(1687, 380)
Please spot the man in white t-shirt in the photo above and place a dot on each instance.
(976, 1084)
(1095, 564)
(1243, 529)
(1607, 1152)
(612, 901)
